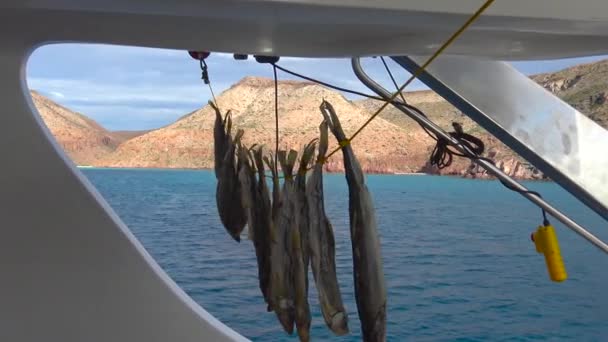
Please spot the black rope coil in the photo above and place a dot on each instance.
(442, 156)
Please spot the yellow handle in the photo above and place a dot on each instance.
(546, 243)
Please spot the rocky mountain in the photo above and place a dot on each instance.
(123, 136)
(392, 142)
(584, 86)
(84, 140)
(383, 147)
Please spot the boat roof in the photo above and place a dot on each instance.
(509, 30)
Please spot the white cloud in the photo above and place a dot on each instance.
(56, 94)
(133, 117)
(124, 106)
(89, 91)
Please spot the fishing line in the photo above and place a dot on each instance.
(444, 149)
(276, 119)
(351, 91)
(328, 85)
(390, 74)
(544, 213)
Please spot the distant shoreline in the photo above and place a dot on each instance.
(142, 168)
(88, 167)
(210, 169)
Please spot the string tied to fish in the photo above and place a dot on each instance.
(344, 143)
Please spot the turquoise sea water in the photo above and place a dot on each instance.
(458, 259)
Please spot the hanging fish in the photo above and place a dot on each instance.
(276, 185)
(220, 137)
(228, 192)
(322, 247)
(290, 216)
(302, 203)
(246, 176)
(370, 291)
(281, 279)
(262, 225)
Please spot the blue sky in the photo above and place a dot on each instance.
(131, 88)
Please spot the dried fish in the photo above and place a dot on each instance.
(228, 192)
(276, 185)
(262, 225)
(290, 215)
(221, 136)
(370, 291)
(247, 180)
(281, 280)
(322, 247)
(302, 203)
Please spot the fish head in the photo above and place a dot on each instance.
(329, 113)
(285, 314)
(338, 323)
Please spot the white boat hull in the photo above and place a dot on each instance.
(514, 29)
(71, 270)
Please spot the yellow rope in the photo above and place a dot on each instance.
(344, 143)
(415, 75)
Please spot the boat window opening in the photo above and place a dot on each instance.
(542, 237)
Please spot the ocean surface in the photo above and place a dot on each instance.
(458, 260)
